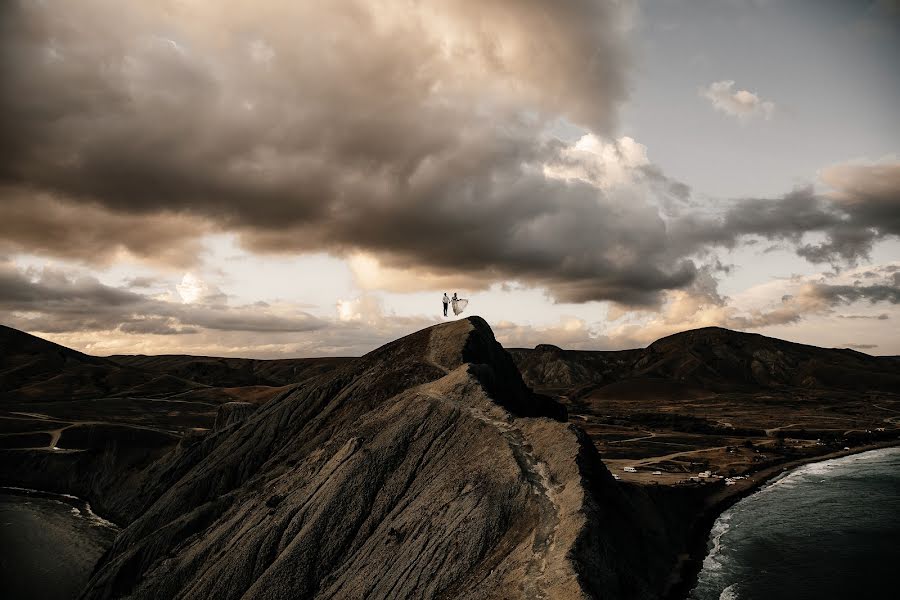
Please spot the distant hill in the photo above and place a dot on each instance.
(713, 359)
(231, 372)
(710, 358)
(35, 369)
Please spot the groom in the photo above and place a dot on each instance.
(446, 303)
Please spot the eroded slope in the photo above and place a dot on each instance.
(411, 473)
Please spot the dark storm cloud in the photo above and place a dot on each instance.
(862, 207)
(786, 218)
(50, 301)
(821, 298)
(847, 294)
(413, 132)
(38, 223)
(155, 326)
(409, 133)
(51, 288)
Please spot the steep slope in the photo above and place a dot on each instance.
(550, 367)
(426, 469)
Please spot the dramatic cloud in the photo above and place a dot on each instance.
(430, 144)
(775, 303)
(404, 132)
(85, 313)
(602, 164)
(741, 104)
(570, 332)
(868, 193)
(39, 223)
(50, 301)
(82, 312)
(861, 208)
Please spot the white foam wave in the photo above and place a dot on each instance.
(96, 519)
(820, 468)
(729, 593)
(817, 470)
(712, 561)
(84, 511)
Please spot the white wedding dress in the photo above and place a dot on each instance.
(459, 305)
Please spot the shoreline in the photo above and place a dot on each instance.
(687, 569)
(684, 572)
(80, 504)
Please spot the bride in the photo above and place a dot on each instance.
(458, 304)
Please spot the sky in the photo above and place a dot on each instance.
(282, 178)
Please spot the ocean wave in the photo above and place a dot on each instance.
(80, 507)
(819, 468)
(712, 561)
(816, 470)
(96, 519)
(729, 593)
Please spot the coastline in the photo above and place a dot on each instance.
(80, 504)
(685, 572)
(682, 576)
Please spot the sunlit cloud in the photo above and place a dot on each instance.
(741, 104)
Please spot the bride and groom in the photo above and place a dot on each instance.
(459, 304)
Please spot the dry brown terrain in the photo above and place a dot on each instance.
(48, 391)
(428, 468)
(721, 401)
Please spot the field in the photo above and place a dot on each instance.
(729, 434)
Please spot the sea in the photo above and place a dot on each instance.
(49, 544)
(827, 530)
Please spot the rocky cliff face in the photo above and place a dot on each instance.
(550, 367)
(232, 413)
(425, 469)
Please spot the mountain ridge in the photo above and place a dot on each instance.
(429, 467)
(712, 358)
(403, 474)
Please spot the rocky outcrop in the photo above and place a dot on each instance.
(232, 413)
(552, 368)
(425, 469)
